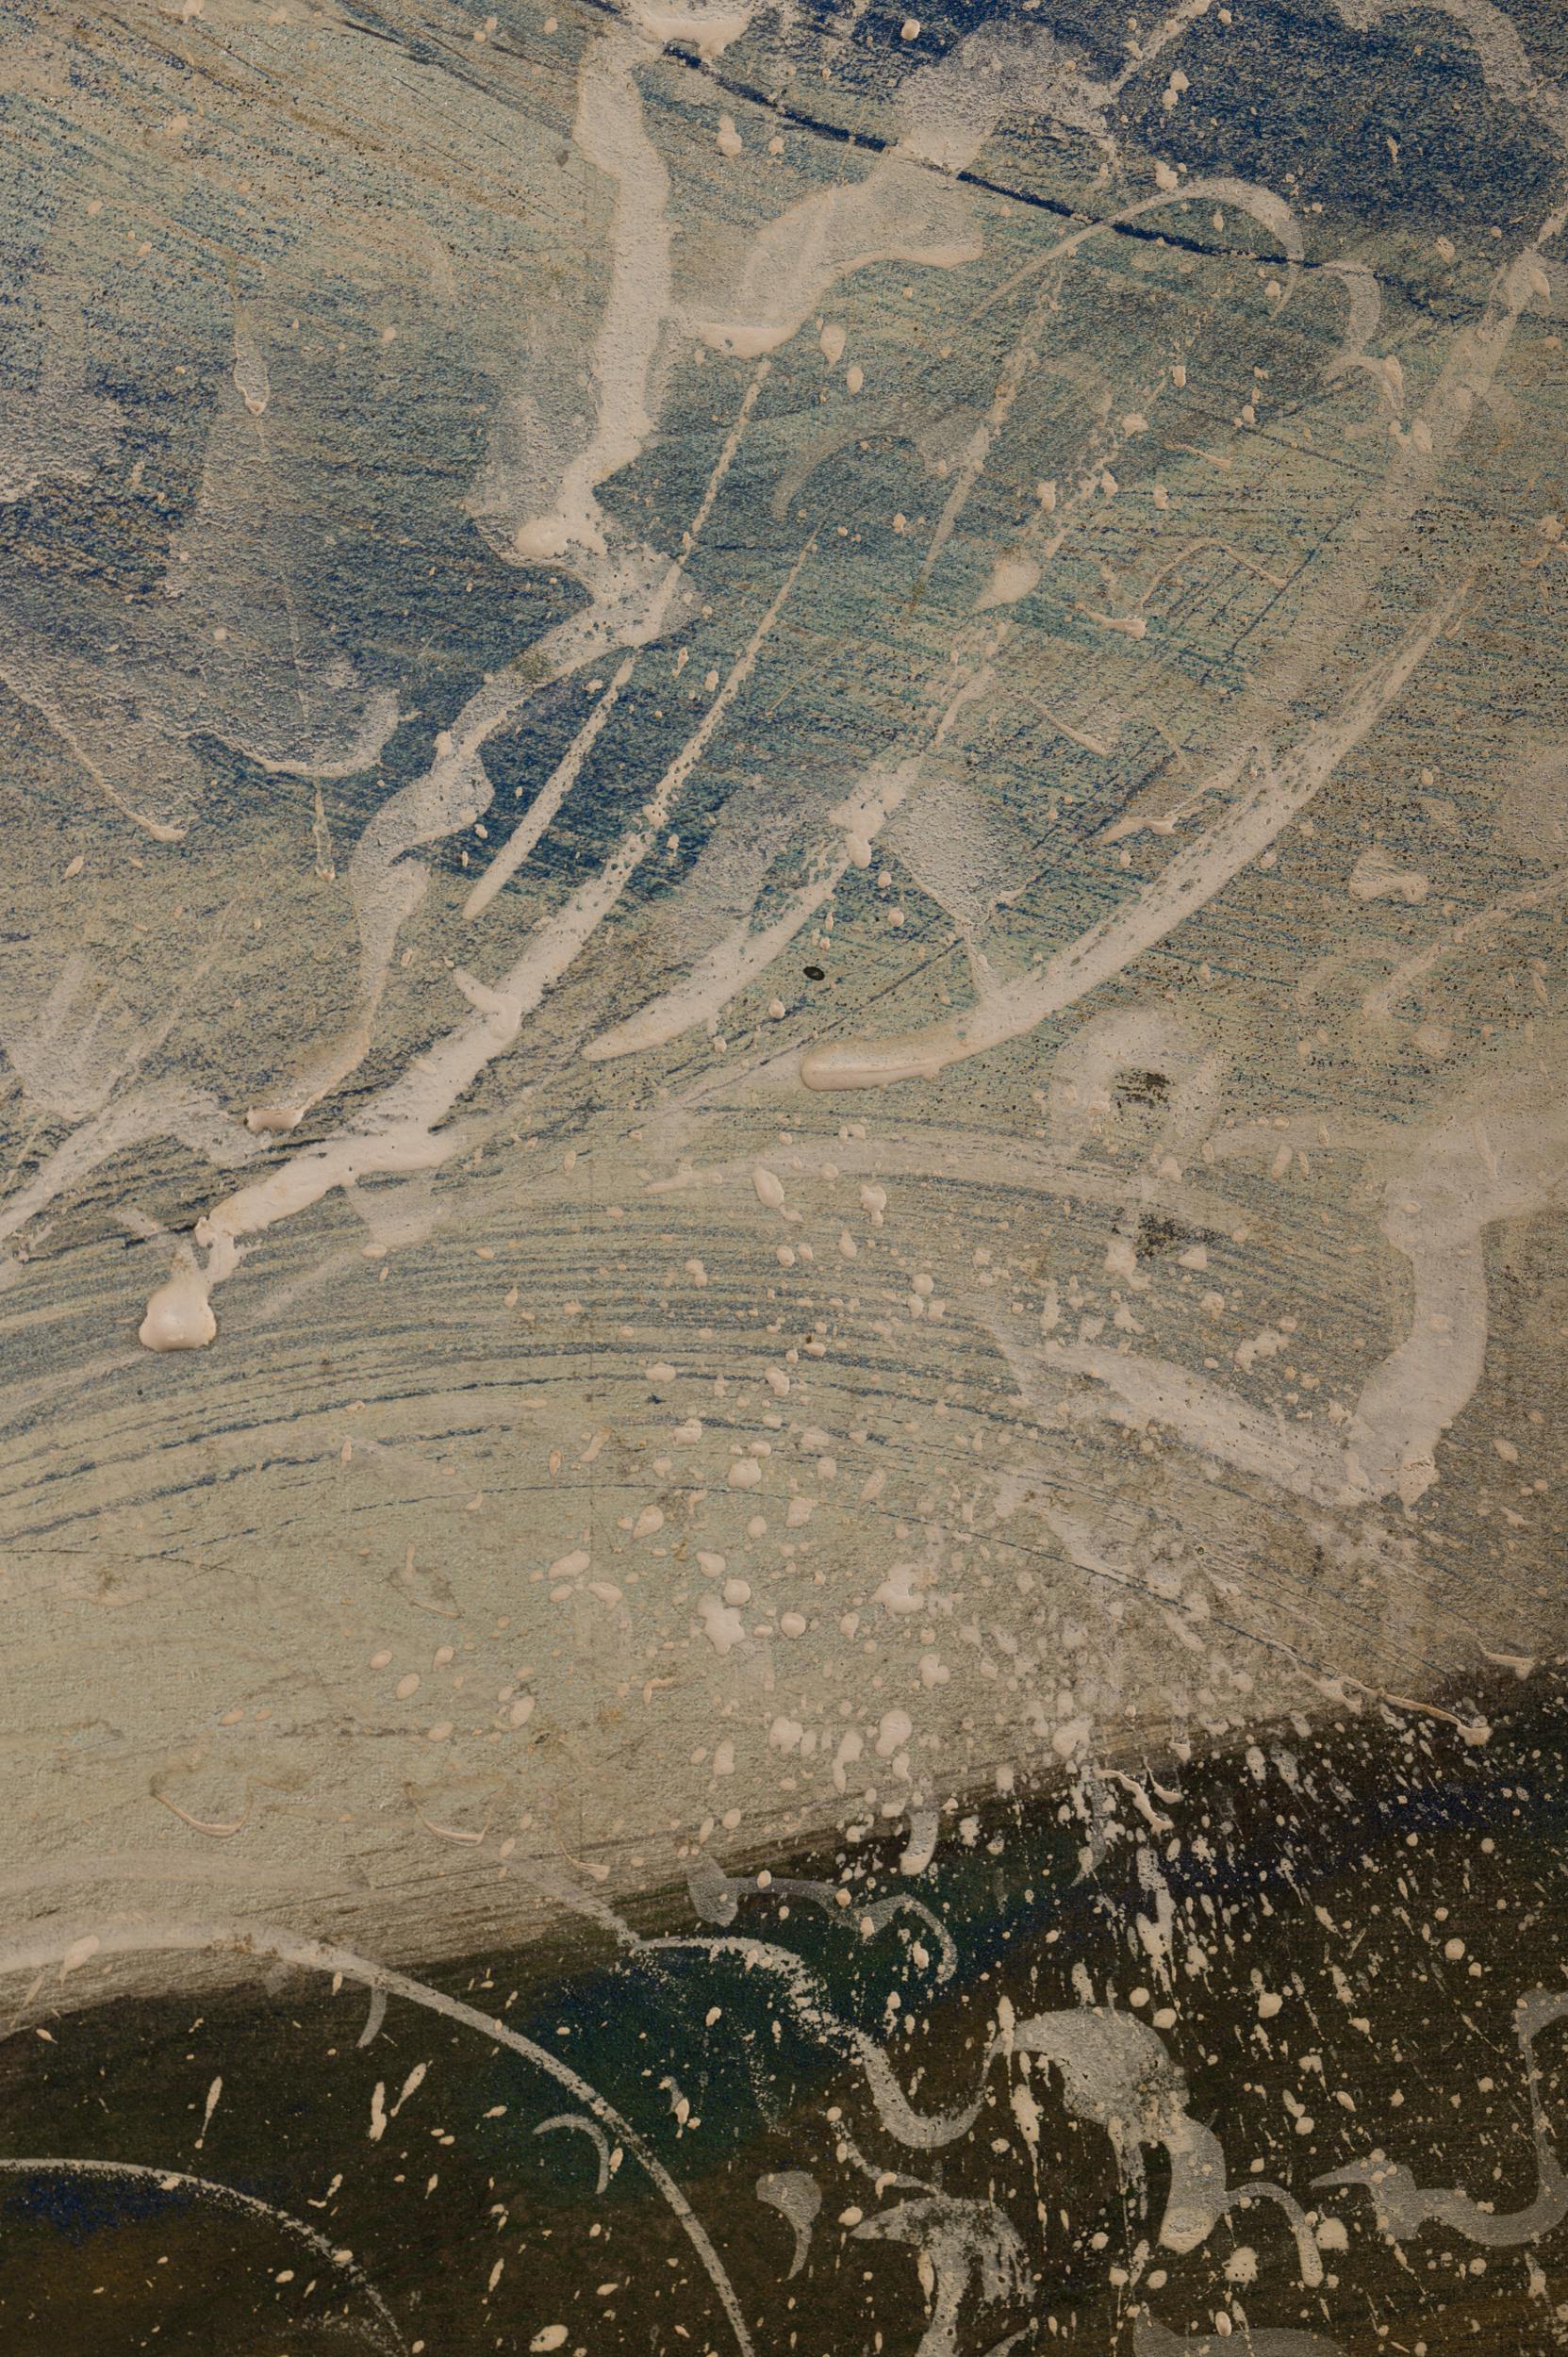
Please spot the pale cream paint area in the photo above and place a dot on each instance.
(535, 1359)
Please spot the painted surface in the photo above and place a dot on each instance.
(787, 825)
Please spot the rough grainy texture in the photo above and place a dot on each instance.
(786, 826)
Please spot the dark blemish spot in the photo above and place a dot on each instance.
(815, 974)
(1142, 1088)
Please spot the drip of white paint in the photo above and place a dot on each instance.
(179, 1316)
(214, 2091)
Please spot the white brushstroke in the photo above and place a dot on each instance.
(745, 952)
(717, 1898)
(590, 2128)
(610, 131)
(1184, 884)
(1402, 2207)
(969, 2253)
(795, 2194)
(1492, 1154)
(1251, 825)
(398, 1132)
(213, 2095)
(1116, 2072)
(1381, 1002)
(250, 1941)
(1151, 2339)
(548, 801)
(165, 1108)
(225, 2198)
(1366, 306)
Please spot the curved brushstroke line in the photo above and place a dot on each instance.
(226, 2197)
(1402, 2207)
(313, 1955)
(1184, 885)
(585, 2128)
(716, 1897)
(1252, 823)
(795, 2194)
(808, 2001)
(22, 687)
